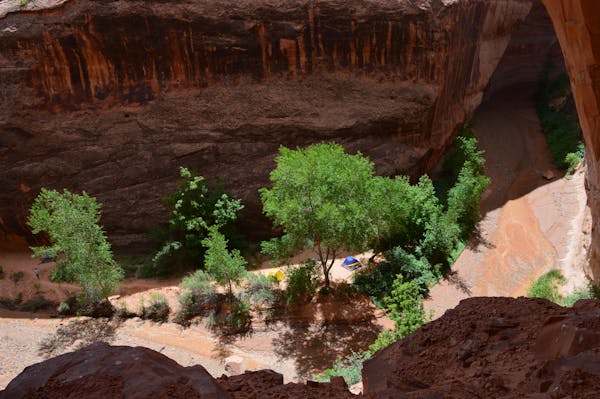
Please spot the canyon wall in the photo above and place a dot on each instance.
(111, 97)
(578, 30)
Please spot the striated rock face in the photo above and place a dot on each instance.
(112, 96)
(576, 23)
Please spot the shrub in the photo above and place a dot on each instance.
(16, 277)
(260, 291)
(547, 286)
(302, 281)
(157, 309)
(37, 303)
(233, 319)
(198, 296)
(378, 281)
(349, 367)
(64, 309)
(123, 312)
(405, 303)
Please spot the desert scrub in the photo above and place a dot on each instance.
(198, 297)
(157, 308)
(349, 367)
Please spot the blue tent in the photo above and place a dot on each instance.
(351, 263)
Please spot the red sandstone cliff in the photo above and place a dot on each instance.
(112, 96)
(578, 30)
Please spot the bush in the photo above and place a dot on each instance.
(378, 281)
(406, 307)
(197, 298)
(16, 277)
(123, 312)
(233, 319)
(260, 291)
(64, 309)
(349, 367)
(302, 281)
(37, 303)
(157, 309)
(547, 286)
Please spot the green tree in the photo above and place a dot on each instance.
(464, 198)
(195, 207)
(405, 303)
(227, 267)
(318, 197)
(71, 222)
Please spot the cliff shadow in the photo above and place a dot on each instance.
(325, 330)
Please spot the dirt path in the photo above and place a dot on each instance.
(531, 225)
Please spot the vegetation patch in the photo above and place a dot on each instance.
(195, 208)
(559, 122)
(157, 309)
(548, 287)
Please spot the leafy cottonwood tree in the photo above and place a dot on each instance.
(226, 267)
(77, 241)
(319, 196)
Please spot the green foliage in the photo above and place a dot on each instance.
(197, 298)
(302, 281)
(16, 277)
(64, 308)
(318, 198)
(561, 127)
(377, 282)
(464, 197)
(405, 303)
(227, 267)
(195, 207)
(157, 309)
(547, 286)
(23, 2)
(260, 291)
(78, 243)
(349, 367)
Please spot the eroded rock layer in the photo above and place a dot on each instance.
(112, 96)
(576, 24)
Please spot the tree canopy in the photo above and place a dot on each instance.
(318, 197)
(78, 243)
(195, 207)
